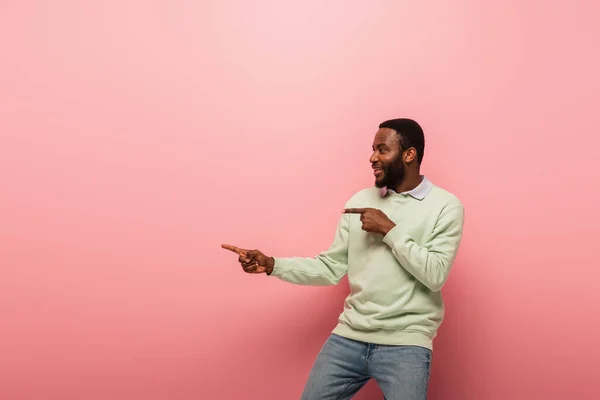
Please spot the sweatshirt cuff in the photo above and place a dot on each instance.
(278, 268)
(395, 238)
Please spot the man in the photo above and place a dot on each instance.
(397, 242)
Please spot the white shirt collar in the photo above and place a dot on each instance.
(418, 193)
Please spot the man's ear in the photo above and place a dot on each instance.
(410, 155)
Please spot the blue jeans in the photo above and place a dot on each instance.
(344, 366)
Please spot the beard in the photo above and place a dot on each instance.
(393, 175)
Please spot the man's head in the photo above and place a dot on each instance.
(398, 146)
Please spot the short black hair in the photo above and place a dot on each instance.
(410, 134)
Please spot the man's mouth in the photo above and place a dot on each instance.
(377, 171)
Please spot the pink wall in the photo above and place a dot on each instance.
(136, 137)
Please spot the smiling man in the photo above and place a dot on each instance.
(396, 242)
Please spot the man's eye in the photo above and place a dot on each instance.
(382, 150)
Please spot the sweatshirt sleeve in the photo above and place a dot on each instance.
(430, 263)
(327, 268)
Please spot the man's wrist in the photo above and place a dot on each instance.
(270, 265)
(387, 228)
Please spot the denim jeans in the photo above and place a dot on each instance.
(344, 366)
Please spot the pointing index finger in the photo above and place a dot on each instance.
(234, 249)
(354, 210)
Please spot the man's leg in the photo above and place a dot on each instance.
(402, 372)
(339, 371)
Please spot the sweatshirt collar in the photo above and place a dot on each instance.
(418, 193)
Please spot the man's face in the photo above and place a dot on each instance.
(386, 159)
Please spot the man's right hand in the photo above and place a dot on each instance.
(252, 261)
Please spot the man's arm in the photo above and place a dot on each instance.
(430, 264)
(328, 268)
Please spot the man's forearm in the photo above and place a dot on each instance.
(429, 264)
(318, 271)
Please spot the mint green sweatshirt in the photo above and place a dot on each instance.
(395, 280)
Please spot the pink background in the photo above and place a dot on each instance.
(137, 136)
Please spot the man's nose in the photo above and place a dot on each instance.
(373, 158)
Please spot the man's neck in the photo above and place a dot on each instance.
(410, 182)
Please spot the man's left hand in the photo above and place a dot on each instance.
(373, 220)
